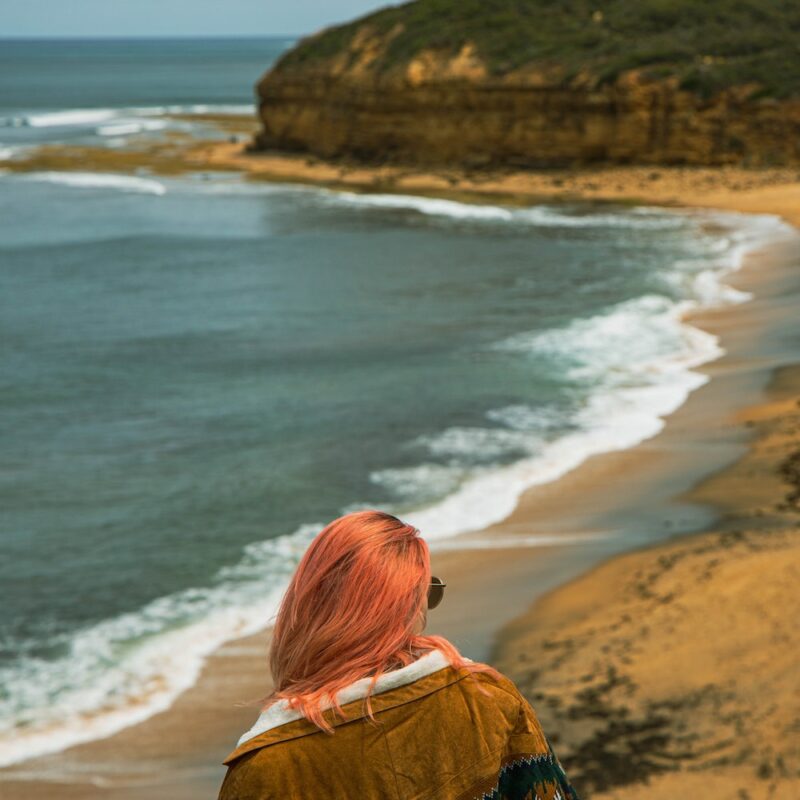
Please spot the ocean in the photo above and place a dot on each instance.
(199, 372)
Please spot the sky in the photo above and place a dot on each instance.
(89, 18)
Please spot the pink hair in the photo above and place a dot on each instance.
(349, 612)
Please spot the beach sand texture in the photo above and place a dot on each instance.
(675, 667)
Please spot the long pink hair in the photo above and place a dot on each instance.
(349, 612)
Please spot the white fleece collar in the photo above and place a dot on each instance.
(279, 713)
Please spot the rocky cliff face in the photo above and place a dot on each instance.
(435, 109)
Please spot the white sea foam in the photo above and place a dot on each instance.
(101, 180)
(87, 117)
(129, 128)
(232, 184)
(420, 482)
(541, 215)
(463, 442)
(710, 291)
(126, 669)
(633, 337)
(225, 108)
(232, 109)
(524, 418)
(551, 215)
(424, 205)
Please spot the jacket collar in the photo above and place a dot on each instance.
(427, 674)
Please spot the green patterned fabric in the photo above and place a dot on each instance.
(532, 777)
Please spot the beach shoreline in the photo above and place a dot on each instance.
(756, 190)
(491, 587)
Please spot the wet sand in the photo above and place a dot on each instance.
(630, 499)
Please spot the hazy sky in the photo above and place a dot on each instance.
(175, 17)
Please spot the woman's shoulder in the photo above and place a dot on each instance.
(491, 676)
(505, 708)
(506, 691)
(496, 681)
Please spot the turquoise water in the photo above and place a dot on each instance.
(198, 373)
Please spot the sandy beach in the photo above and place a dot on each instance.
(675, 667)
(689, 602)
(772, 191)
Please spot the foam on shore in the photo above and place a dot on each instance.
(86, 117)
(101, 180)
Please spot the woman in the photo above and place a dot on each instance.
(367, 707)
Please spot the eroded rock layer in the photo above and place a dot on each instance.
(450, 107)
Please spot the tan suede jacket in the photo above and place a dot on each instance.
(435, 736)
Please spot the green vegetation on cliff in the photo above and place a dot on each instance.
(708, 45)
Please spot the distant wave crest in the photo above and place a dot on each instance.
(101, 180)
(84, 117)
(540, 215)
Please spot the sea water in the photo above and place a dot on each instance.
(199, 372)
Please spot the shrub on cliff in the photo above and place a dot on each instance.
(708, 45)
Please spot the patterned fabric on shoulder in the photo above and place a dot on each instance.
(527, 776)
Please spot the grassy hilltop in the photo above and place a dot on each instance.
(708, 45)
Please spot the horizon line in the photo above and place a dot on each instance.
(128, 37)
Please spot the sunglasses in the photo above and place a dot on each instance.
(435, 591)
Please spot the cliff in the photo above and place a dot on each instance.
(535, 83)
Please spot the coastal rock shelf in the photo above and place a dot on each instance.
(386, 89)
